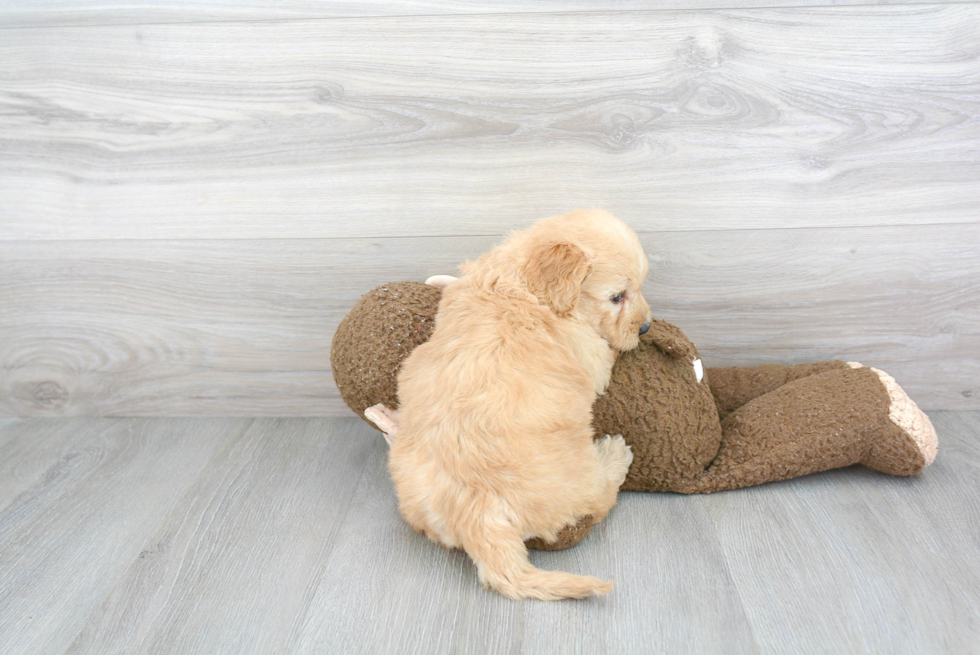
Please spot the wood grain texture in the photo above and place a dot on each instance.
(447, 125)
(47, 13)
(674, 591)
(884, 297)
(427, 599)
(99, 489)
(867, 545)
(26, 460)
(286, 538)
(244, 327)
(233, 566)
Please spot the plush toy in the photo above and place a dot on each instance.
(692, 430)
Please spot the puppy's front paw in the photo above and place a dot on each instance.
(615, 456)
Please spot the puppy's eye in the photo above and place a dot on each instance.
(618, 298)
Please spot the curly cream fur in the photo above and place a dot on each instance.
(496, 441)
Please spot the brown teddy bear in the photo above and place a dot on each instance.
(692, 430)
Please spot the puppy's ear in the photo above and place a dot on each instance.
(555, 271)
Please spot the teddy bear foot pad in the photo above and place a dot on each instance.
(907, 416)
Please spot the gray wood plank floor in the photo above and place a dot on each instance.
(282, 536)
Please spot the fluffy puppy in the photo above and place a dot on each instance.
(495, 440)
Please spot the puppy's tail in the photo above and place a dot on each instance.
(502, 563)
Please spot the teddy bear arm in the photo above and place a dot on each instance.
(733, 387)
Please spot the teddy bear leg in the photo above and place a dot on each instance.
(816, 423)
(892, 456)
(567, 537)
(615, 458)
(735, 386)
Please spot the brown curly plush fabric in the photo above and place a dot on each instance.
(373, 341)
(567, 536)
(667, 417)
(734, 386)
(376, 337)
(779, 421)
(816, 423)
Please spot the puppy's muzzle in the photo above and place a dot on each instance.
(645, 327)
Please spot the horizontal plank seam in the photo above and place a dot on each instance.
(482, 236)
(489, 14)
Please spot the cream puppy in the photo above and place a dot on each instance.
(495, 440)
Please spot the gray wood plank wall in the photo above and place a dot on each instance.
(46, 13)
(192, 195)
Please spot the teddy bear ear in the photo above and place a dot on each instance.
(555, 272)
(670, 340)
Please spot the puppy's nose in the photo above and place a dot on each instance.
(645, 327)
